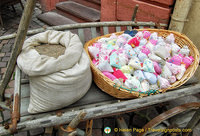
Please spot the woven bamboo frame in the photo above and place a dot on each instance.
(107, 85)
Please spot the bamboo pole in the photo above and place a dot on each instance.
(21, 34)
(83, 25)
(179, 16)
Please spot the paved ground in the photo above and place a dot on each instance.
(11, 21)
(134, 120)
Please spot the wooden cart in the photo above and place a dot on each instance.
(95, 103)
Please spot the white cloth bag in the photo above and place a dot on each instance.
(55, 82)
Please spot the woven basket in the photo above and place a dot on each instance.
(108, 86)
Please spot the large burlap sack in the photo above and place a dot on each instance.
(55, 82)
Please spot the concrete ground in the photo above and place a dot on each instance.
(133, 120)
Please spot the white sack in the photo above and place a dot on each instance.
(55, 82)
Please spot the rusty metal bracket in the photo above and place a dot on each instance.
(15, 115)
(68, 129)
(74, 123)
(88, 129)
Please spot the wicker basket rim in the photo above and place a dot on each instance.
(177, 83)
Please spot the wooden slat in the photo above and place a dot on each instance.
(17, 80)
(25, 90)
(118, 28)
(25, 116)
(4, 106)
(105, 110)
(129, 27)
(24, 106)
(152, 27)
(81, 35)
(141, 27)
(8, 96)
(105, 30)
(94, 32)
(17, 87)
(24, 81)
(94, 95)
(48, 131)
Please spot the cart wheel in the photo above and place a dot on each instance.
(170, 113)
